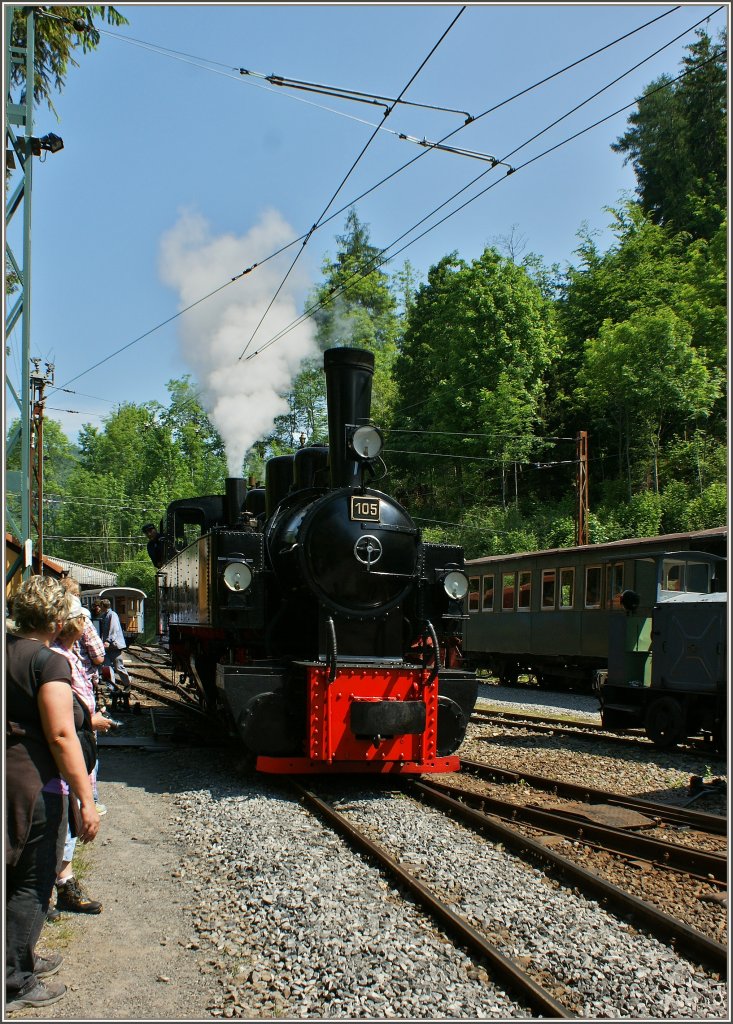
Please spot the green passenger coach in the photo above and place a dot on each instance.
(548, 614)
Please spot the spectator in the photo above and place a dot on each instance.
(91, 651)
(41, 746)
(113, 639)
(89, 647)
(156, 545)
(69, 895)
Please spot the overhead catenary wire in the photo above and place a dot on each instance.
(463, 433)
(202, 62)
(381, 258)
(358, 275)
(346, 178)
(351, 94)
(480, 458)
(357, 199)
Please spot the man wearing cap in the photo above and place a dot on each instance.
(110, 630)
(156, 545)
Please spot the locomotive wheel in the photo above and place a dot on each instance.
(665, 722)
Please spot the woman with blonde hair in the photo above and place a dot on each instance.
(42, 750)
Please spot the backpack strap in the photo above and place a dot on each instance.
(39, 660)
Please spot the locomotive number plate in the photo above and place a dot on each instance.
(365, 510)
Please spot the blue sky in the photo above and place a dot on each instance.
(177, 171)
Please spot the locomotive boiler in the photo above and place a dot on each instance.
(312, 616)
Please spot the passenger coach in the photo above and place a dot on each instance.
(128, 602)
(547, 613)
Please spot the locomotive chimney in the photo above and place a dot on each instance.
(235, 492)
(349, 373)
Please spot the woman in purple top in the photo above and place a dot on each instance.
(69, 894)
(41, 747)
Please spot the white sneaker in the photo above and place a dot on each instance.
(101, 809)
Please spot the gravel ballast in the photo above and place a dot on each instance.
(259, 911)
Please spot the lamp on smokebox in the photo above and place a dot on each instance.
(364, 442)
(455, 587)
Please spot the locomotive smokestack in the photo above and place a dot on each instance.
(235, 492)
(349, 373)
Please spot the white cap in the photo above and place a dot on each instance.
(76, 608)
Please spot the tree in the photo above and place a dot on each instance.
(645, 375)
(60, 32)
(677, 143)
(476, 350)
(649, 267)
(201, 464)
(358, 310)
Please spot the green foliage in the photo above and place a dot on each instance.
(358, 310)
(642, 515)
(710, 508)
(677, 142)
(471, 375)
(645, 376)
(124, 475)
(60, 33)
(138, 572)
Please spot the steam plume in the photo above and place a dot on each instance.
(242, 397)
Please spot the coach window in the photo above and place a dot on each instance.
(487, 599)
(593, 586)
(548, 588)
(614, 584)
(508, 585)
(474, 582)
(525, 591)
(567, 586)
(673, 577)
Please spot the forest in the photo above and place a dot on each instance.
(486, 372)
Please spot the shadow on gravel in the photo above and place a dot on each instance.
(174, 770)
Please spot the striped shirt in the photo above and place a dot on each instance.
(87, 647)
(80, 683)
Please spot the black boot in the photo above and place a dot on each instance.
(69, 896)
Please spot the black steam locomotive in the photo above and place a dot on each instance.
(311, 615)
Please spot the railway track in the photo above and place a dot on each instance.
(664, 926)
(713, 824)
(611, 828)
(507, 971)
(527, 978)
(583, 731)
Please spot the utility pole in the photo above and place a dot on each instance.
(581, 526)
(38, 385)
(18, 157)
(20, 148)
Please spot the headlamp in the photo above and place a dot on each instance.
(365, 442)
(237, 576)
(455, 584)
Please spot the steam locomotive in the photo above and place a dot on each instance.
(311, 615)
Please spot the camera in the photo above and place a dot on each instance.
(114, 723)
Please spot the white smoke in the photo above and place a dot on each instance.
(242, 396)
